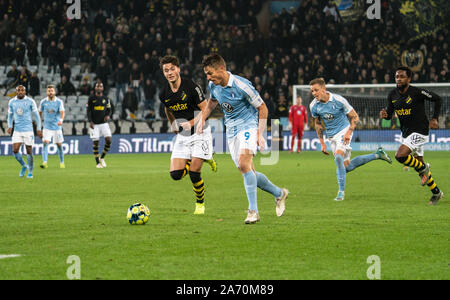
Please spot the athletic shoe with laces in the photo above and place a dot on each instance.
(340, 196)
(425, 174)
(30, 176)
(281, 202)
(44, 165)
(62, 166)
(99, 166)
(23, 170)
(199, 209)
(383, 155)
(252, 217)
(213, 164)
(102, 161)
(436, 197)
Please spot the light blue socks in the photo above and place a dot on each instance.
(340, 171)
(264, 184)
(19, 158)
(45, 153)
(250, 188)
(360, 160)
(61, 154)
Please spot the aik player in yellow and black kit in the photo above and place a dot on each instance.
(98, 113)
(183, 102)
(408, 102)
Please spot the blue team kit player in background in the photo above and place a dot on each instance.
(335, 112)
(52, 112)
(245, 119)
(21, 110)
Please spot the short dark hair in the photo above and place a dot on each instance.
(320, 81)
(169, 59)
(406, 69)
(213, 60)
(51, 86)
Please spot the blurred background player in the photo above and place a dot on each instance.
(245, 119)
(335, 112)
(298, 117)
(408, 102)
(21, 110)
(52, 113)
(182, 98)
(98, 113)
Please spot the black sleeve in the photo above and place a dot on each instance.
(390, 107)
(108, 107)
(89, 109)
(433, 97)
(197, 94)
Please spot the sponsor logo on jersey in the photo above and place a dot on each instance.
(19, 111)
(403, 112)
(182, 106)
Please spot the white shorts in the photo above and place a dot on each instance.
(415, 142)
(245, 139)
(187, 147)
(337, 143)
(100, 130)
(24, 137)
(56, 135)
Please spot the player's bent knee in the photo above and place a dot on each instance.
(177, 174)
(401, 159)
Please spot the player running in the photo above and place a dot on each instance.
(21, 110)
(245, 120)
(51, 110)
(409, 104)
(182, 98)
(335, 112)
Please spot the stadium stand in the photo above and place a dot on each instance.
(274, 50)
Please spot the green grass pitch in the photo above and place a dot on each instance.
(81, 211)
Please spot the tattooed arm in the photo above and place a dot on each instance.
(354, 120)
(319, 131)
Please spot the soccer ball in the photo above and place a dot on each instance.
(138, 214)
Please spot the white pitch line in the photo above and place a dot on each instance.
(2, 256)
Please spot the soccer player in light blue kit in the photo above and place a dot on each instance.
(52, 111)
(335, 112)
(21, 110)
(245, 120)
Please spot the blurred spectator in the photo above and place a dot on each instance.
(19, 51)
(65, 87)
(85, 88)
(24, 77)
(136, 78)
(34, 85)
(32, 50)
(149, 94)
(121, 78)
(65, 71)
(130, 105)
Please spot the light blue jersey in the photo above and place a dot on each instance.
(333, 113)
(238, 100)
(51, 110)
(21, 111)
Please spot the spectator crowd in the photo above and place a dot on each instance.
(121, 41)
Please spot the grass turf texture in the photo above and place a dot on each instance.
(81, 211)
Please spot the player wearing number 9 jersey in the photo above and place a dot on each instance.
(245, 119)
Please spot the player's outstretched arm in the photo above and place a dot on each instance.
(319, 131)
(209, 107)
(263, 112)
(354, 120)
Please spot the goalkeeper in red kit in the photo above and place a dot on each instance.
(298, 117)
